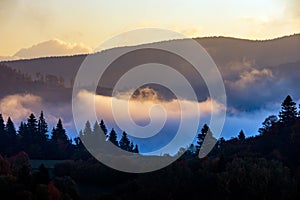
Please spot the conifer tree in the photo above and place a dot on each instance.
(10, 129)
(2, 125)
(96, 129)
(42, 126)
(242, 136)
(201, 136)
(206, 135)
(32, 124)
(2, 133)
(103, 127)
(87, 129)
(24, 138)
(60, 141)
(59, 133)
(288, 113)
(11, 137)
(124, 142)
(113, 137)
(136, 149)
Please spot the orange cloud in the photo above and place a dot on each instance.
(54, 47)
(19, 107)
(141, 110)
(249, 77)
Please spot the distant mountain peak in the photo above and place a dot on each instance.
(53, 47)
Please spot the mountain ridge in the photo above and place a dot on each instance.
(163, 41)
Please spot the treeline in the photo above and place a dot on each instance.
(272, 127)
(89, 134)
(33, 138)
(266, 166)
(8, 73)
(49, 87)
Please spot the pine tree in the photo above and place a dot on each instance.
(201, 136)
(24, 137)
(2, 125)
(42, 126)
(113, 137)
(28, 133)
(103, 127)
(206, 135)
(59, 133)
(88, 134)
(136, 149)
(2, 134)
(22, 130)
(95, 138)
(242, 136)
(288, 113)
(32, 124)
(124, 142)
(60, 141)
(96, 129)
(11, 136)
(11, 130)
(87, 129)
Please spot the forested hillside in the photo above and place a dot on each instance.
(266, 166)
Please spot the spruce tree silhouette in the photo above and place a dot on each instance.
(124, 142)
(87, 129)
(31, 139)
(200, 137)
(113, 137)
(11, 137)
(60, 141)
(288, 113)
(42, 136)
(103, 127)
(136, 149)
(32, 124)
(241, 136)
(2, 133)
(88, 133)
(42, 126)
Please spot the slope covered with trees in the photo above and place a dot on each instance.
(266, 166)
(34, 138)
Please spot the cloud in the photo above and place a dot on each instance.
(20, 106)
(248, 77)
(141, 109)
(143, 94)
(54, 47)
(192, 32)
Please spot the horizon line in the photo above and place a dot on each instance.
(156, 42)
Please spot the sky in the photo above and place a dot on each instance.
(32, 28)
(86, 24)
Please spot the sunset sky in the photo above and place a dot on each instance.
(83, 25)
